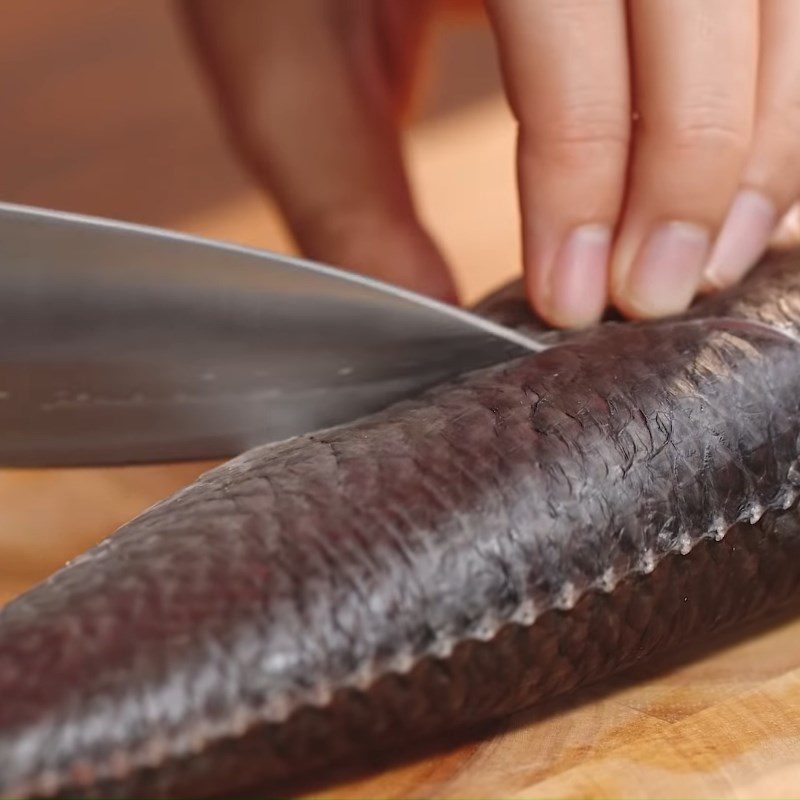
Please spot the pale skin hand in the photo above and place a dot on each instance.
(659, 140)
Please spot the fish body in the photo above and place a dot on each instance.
(498, 540)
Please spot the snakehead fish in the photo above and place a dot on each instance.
(499, 539)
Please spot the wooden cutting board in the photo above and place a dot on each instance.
(102, 113)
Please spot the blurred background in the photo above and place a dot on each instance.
(102, 111)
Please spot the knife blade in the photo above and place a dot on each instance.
(121, 343)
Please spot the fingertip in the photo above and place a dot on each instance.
(741, 241)
(391, 247)
(663, 276)
(787, 231)
(572, 291)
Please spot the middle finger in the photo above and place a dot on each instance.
(694, 77)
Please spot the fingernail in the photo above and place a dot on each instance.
(744, 237)
(665, 274)
(578, 282)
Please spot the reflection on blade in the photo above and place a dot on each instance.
(120, 343)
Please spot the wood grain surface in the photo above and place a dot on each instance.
(101, 112)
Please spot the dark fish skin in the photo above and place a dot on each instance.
(499, 540)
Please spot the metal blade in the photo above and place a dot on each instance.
(120, 343)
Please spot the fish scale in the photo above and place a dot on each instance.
(501, 539)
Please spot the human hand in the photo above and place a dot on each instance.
(314, 92)
(657, 139)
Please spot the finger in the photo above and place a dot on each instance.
(565, 67)
(694, 69)
(787, 232)
(771, 179)
(306, 98)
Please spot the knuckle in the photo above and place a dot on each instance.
(709, 131)
(772, 162)
(583, 133)
(781, 124)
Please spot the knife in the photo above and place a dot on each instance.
(121, 343)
